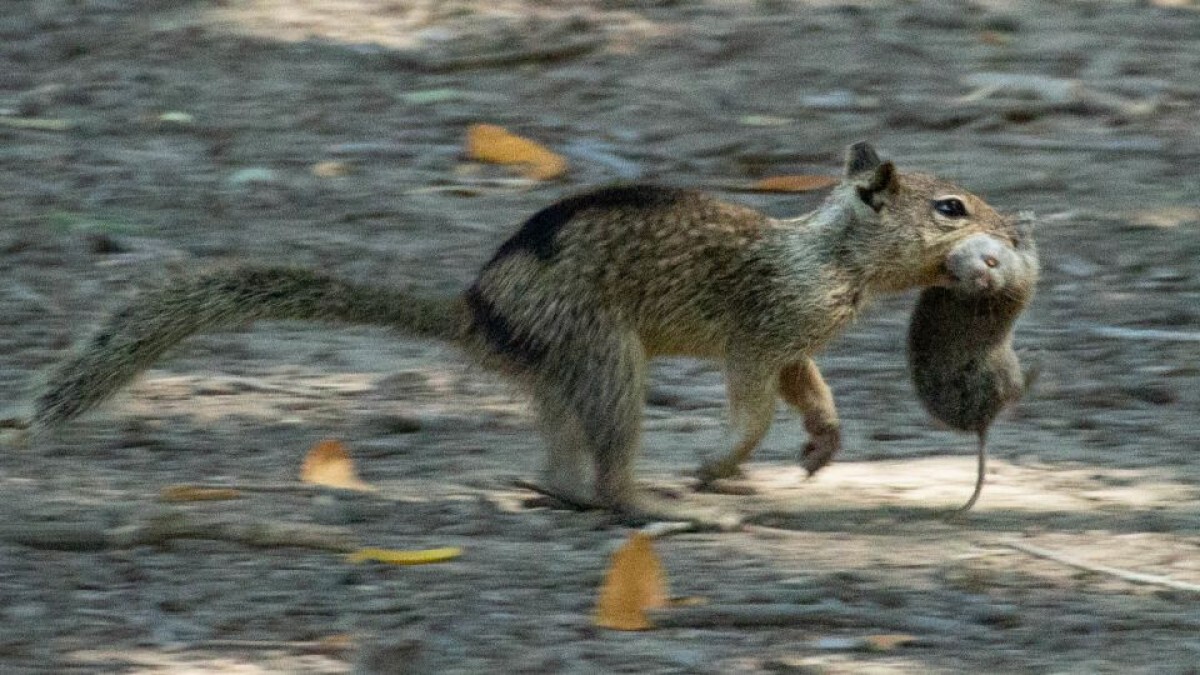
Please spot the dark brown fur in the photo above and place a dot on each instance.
(577, 301)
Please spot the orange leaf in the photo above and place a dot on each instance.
(797, 183)
(196, 493)
(491, 143)
(328, 463)
(635, 582)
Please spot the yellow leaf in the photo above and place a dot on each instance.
(330, 169)
(392, 557)
(491, 143)
(635, 582)
(798, 183)
(196, 493)
(328, 463)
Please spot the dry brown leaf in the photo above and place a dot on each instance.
(195, 493)
(491, 143)
(335, 644)
(635, 583)
(797, 183)
(328, 463)
(991, 37)
(887, 642)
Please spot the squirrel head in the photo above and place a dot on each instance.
(905, 224)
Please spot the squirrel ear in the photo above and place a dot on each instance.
(874, 186)
(861, 157)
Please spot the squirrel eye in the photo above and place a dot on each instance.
(951, 207)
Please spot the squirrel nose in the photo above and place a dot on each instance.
(990, 261)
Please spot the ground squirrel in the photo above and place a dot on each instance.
(960, 349)
(574, 304)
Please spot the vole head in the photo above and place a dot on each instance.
(906, 223)
(1000, 263)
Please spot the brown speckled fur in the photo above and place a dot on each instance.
(587, 291)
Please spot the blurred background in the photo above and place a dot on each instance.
(139, 138)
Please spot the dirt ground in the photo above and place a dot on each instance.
(138, 138)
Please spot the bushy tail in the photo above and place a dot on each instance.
(131, 340)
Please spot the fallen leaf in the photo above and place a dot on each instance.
(331, 169)
(491, 143)
(328, 463)
(887, 642)
(991, 37)
(428, 96)
(635, 583)
(176, 117)
(36, 124)
(764, 121)
(195, 493)
(333, 644)
(865, 643)
(393, 557)
(798, 183)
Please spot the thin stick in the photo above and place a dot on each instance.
(830, 613)
(655, 530)
(572, 503)
(1133, 577)
(1141, 334)
(176, 524)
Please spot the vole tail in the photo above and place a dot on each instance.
(133, 338)
(980, 474)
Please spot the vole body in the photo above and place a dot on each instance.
(960, 338)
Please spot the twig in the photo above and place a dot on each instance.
(302, 488)
(827, 613)
(1133, 577)
(304, 646)
(175, 524)
(543, 53)
(1124, 333)
(35, 124)
(655, 530)
(564, 501)
(1138, 144)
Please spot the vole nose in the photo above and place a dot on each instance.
(981, 272)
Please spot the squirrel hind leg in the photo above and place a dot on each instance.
(567, 475)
